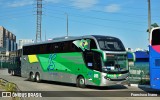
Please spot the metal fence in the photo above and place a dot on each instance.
(139, 74)
(4, 64)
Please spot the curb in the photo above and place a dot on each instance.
(136, 85)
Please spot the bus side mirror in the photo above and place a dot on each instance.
(131, 56)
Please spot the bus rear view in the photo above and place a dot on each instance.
(154, 54)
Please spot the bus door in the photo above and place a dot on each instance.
(93, 62)
(154, 53)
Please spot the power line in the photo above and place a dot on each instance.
(106, 26)
(91, 17)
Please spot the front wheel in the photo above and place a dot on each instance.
(81, 82)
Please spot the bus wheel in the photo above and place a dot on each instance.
(81, 82)
(38, 78)
(12, 72)
(31, 77)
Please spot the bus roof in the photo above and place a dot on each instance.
(58, 39)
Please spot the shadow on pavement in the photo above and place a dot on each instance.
(114, 87)
(149, 90)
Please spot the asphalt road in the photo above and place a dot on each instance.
(63, 91)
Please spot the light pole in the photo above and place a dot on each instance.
(149, 18)
(67, 23)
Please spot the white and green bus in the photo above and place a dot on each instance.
(85, 60)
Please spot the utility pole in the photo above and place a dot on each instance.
(45, 35)
(39, 20)
(67, 23)
(149, 18)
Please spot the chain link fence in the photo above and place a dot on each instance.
(139, 74)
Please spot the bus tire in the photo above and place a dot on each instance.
(38, 78)
(31, 77)
(81, 82)
(13, 73)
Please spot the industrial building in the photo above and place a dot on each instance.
(7, 40)
(7, 45)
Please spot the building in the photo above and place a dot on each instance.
(21, 42)
(7, 44)
(7, 40)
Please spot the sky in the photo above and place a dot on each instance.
(125, 19)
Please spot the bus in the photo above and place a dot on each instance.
(85, 60)
(14, 67)
(154, 55)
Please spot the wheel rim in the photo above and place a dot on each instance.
(32, 76)
(81, 81)
(37, 77)
(12, 72)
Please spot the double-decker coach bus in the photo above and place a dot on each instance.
(154, 55)
(86, 60)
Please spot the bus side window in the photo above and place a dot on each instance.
(93, 44)
(156, 37)
(97, 61)
(51, 48)
(61, 46)
(65, 47)
(88, 57)
(71, 47)
(74, 47)
(33, 49)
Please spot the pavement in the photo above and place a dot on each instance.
(60, 91)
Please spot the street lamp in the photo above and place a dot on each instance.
(67, 22)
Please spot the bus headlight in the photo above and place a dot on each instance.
(127, 77)
(107, 78)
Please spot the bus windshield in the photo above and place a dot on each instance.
(156, 37)
(110, 44)
(115, 62)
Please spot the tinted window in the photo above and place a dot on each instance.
(93, 60)
(110, 44)
(93, 44)
(156, 37)
(59, 47)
